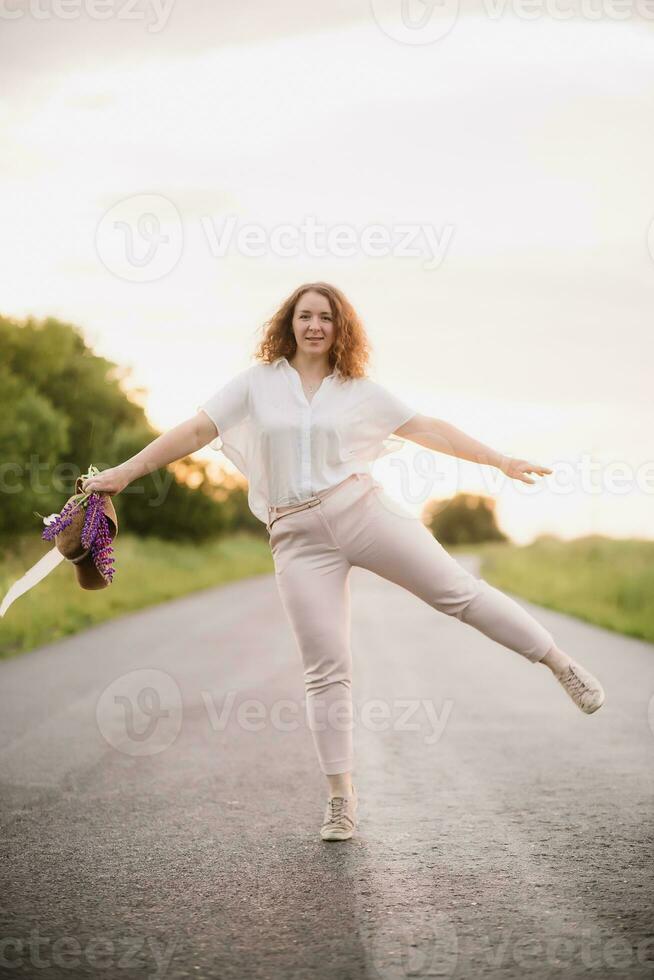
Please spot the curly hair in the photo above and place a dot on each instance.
(350, 349)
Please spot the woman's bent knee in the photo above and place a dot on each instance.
(456, 600)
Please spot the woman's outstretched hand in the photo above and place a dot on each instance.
(109, 481)
(517, 468)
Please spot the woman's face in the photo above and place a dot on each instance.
(313, 323)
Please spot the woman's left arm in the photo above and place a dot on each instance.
(446, 438)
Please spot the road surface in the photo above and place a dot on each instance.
(161, 801)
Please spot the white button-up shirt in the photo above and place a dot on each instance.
(289, 448)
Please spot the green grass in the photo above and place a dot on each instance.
(148, 571)
(601, 580)
(606, 581)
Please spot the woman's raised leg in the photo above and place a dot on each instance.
(389, 541)
(400, 548)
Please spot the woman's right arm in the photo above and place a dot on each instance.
(183, 439)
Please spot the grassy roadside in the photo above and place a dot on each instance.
(601, 580)
(148, 571)
(605, 581)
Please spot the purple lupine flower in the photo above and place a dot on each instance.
(94, 511)
(62, 521)
(96, 530)
(101, 549)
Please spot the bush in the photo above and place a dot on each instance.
(465, 519)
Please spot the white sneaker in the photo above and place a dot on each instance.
(584, 689)
(340, 817)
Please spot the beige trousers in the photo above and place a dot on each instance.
(314, 546)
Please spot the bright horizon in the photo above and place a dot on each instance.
(523, 149)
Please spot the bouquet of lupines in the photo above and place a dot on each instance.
(83, 533)
(95, 534)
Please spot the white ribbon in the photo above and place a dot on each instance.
(31, 577)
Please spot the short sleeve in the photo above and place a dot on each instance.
(389, 411)
(365, 432)
(230, 404)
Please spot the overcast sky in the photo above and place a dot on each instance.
(512, 158)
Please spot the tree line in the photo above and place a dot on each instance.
(63, 407)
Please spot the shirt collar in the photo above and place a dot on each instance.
(284, 360)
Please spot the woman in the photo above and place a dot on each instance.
(303, 425)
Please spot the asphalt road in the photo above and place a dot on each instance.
(161, 801)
